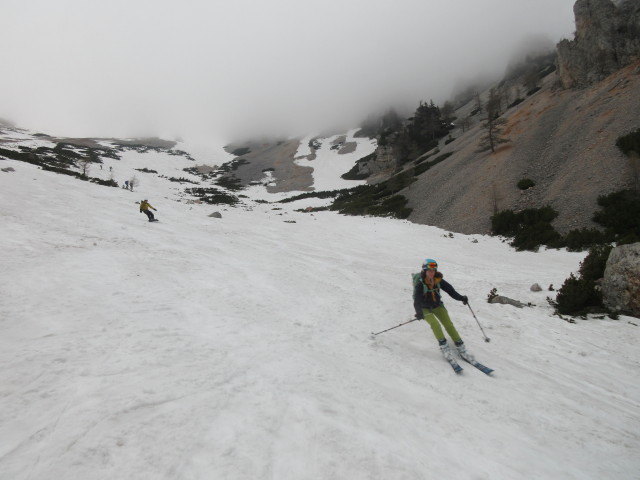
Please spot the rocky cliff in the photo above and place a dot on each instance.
(607, 38)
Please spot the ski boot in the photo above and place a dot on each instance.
(462, 351)
(446, 350)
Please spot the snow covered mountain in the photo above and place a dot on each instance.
(240, 347)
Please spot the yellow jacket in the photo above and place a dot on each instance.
(145, 206)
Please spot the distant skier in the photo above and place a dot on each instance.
(429, 306)
(126, 185)
(146, 207)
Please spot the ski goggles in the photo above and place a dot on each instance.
(430, 266)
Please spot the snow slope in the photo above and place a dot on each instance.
(240, 347)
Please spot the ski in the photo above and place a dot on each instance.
(479, 366)
(456, 367)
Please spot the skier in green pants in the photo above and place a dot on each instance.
(429, 306)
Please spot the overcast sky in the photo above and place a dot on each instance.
(215, 68)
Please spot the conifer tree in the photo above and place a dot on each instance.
(493, 135)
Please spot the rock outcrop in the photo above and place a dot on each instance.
(379, 166)
(621, 284)
(607, 38)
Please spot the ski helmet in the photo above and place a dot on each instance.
(429, 264)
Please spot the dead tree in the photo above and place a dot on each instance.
(84, 163)
(493, 135)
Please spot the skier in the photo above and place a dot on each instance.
(144, 207)
(429, 306)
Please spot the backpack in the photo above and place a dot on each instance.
(415, 279)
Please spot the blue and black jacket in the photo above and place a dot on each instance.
(429, 298)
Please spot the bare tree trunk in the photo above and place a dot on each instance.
(84, 165)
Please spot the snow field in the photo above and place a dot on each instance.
(237, 348)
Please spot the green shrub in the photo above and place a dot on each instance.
(230, 182)
(592, 267)
(505, 223)
(212, 195)
(581, 239)
(106, 183)
(380, 199)
(529, 228)
(516, 102)
(531, 236)
(238, 152)
(526, 183)
(578, 295)
(321, 194)
(180, 180)
(619, 215)
(629, 143)
(573, 297)
(424, 166)
(425, 157)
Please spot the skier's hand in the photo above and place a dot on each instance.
(465, 300)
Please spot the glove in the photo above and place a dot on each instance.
(465, 300)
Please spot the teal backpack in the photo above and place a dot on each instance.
(415, 279)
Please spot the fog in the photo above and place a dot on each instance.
(228, 69)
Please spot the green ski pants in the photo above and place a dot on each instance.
(439, 316)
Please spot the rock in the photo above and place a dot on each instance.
(621, 284)
(216, 215)
(606, 39)
(506, 301)
(536, 288)
(8, 169)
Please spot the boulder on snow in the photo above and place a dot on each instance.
(216, 215)
(8, 169)
(536, 288)
(506, 301)
(621, 283)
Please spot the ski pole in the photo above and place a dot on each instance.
(486, 339)
(395, 326)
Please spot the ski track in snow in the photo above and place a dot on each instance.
(240, 348)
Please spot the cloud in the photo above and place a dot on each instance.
(225, 69)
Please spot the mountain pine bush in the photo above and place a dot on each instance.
(579, 295)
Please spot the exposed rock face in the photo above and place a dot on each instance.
(380, 167)
(277, 156)
(607, 38)
(621, 285)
